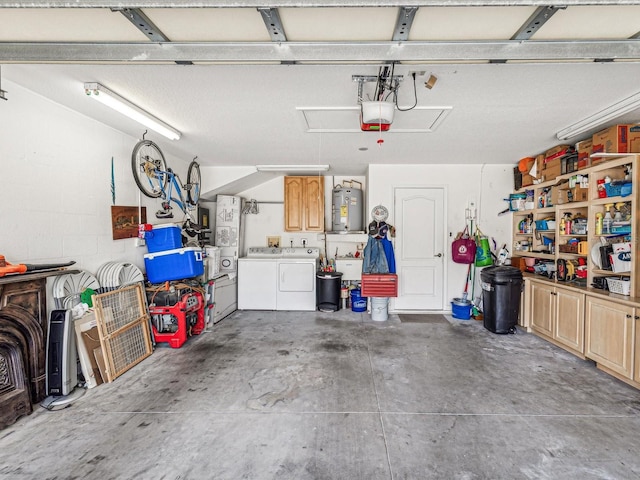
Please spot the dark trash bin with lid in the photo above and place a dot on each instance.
(501, 287)
(328, 291)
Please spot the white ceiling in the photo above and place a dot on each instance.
(242, 99)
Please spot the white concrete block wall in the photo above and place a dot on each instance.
(55, 201)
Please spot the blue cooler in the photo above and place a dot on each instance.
(167, 236)
(174, 264)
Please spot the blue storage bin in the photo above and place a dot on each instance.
(175, 264)
(160, 238)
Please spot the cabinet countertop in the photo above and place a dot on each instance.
(593, 292)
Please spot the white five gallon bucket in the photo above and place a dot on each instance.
(379, 309)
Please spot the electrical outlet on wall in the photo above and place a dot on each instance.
(140, 242)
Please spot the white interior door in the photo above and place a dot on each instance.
(419, 248)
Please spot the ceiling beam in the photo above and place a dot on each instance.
(403, 23)
(146, 26)
(535, 21)
(301, 3)
(272, 21)
(375, 52)
(143, 23)
(532, 25)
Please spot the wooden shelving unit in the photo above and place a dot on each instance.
(591, 323)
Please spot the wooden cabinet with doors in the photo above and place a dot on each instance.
(610, 335)
(636, 371)
(304, 204)
(542, 308)
(557, 313)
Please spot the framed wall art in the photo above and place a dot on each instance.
(125, 221)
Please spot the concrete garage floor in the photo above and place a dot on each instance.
(290, 395)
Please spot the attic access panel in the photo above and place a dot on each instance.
(347, 119)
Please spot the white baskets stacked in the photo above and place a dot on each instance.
(112, 275)
(67, 289)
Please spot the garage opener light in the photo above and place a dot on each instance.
(107, 97)
(601, 118)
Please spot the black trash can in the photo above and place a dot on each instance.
(501, 287)
(328, 291)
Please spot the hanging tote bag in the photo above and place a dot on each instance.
(483, 251)
(463, 248)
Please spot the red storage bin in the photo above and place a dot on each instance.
(379, 285)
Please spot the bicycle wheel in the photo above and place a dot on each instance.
(193, 183)
(149, 168)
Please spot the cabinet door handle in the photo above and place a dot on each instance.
(629, 316)
(637, 317)
(438, 255)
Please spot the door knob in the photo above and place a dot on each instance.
(438, 255)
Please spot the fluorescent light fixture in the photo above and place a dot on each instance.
(294, 168)
(124, 106)
(602, 117)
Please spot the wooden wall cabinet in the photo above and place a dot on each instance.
(610, 335)
(304, 204)
(557, 313)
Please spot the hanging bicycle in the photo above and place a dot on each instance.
(156, 180)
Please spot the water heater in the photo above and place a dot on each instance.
(347, 209)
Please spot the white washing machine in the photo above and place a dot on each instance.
(278, 279)
(257, 279)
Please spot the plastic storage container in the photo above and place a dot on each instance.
(160, 238)
(358, 303)
(461, 308)
(379, 310)
(328, 291)
(174, 264)
(501, 288)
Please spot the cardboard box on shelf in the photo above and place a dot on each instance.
(614, 139)
(556, 162)
(527, 180)
(579, 194)
(559, 194)
(556, 152)
(552, 170)
(584, 149)
(634, 138)
(539, 165)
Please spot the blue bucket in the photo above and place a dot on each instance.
(461, 309)
(358, 303)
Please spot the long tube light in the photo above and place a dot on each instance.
(111, 99)
(602, 117)
(294, 168)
